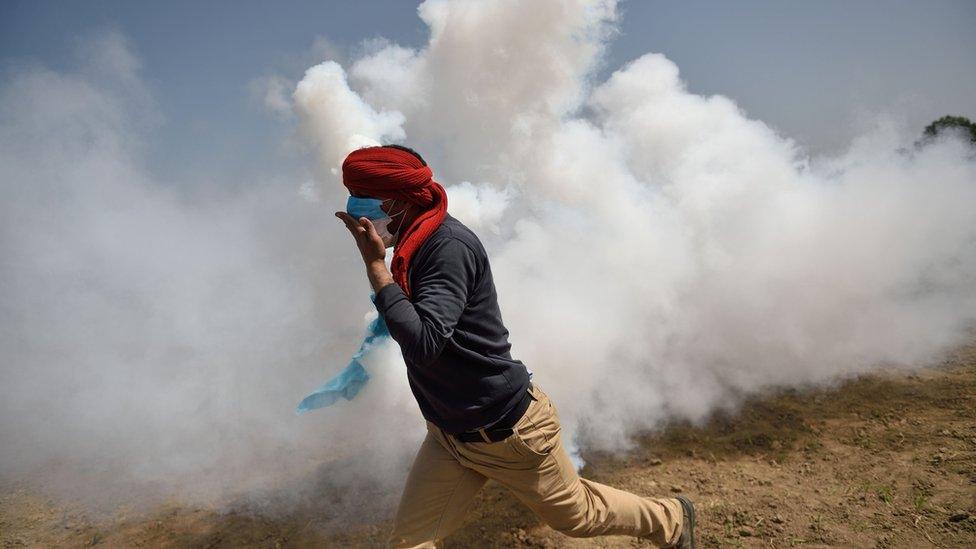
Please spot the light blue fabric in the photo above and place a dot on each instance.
(365, 207)
(347, 383)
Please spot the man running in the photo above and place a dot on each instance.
(485, 418)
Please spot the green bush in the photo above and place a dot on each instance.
(959, 123)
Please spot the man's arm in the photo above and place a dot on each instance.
(442, 282)
(379, 276)
(441, 285)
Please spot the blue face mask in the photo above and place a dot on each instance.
(365, 207)
(369, 208)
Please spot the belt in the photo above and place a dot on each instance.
(501, 429)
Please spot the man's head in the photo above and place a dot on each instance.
(399, 179)
(394, 175)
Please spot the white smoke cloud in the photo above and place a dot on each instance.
(664, 254)
(328, 107)
(161, 336)
(657, 254)
(272, 92)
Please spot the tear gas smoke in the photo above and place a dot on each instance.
(658, 255)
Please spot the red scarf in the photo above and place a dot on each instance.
(386, 172)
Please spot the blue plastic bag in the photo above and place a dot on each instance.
(353, 377)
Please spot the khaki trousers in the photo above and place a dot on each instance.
(533, 464)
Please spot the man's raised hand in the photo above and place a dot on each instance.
(367, 239)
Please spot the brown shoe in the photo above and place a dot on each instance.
(687, 538)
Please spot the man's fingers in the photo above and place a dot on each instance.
(347, 219)
(355, 228)
(370, 229)
(367, 239)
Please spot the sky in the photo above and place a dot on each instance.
(816, 72)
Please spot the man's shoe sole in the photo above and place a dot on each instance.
(688, 524)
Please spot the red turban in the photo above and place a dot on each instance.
(387, 172)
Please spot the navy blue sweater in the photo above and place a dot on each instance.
(451, 334)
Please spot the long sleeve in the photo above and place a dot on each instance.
(441, 284)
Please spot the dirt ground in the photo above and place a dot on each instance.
(880, 461)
